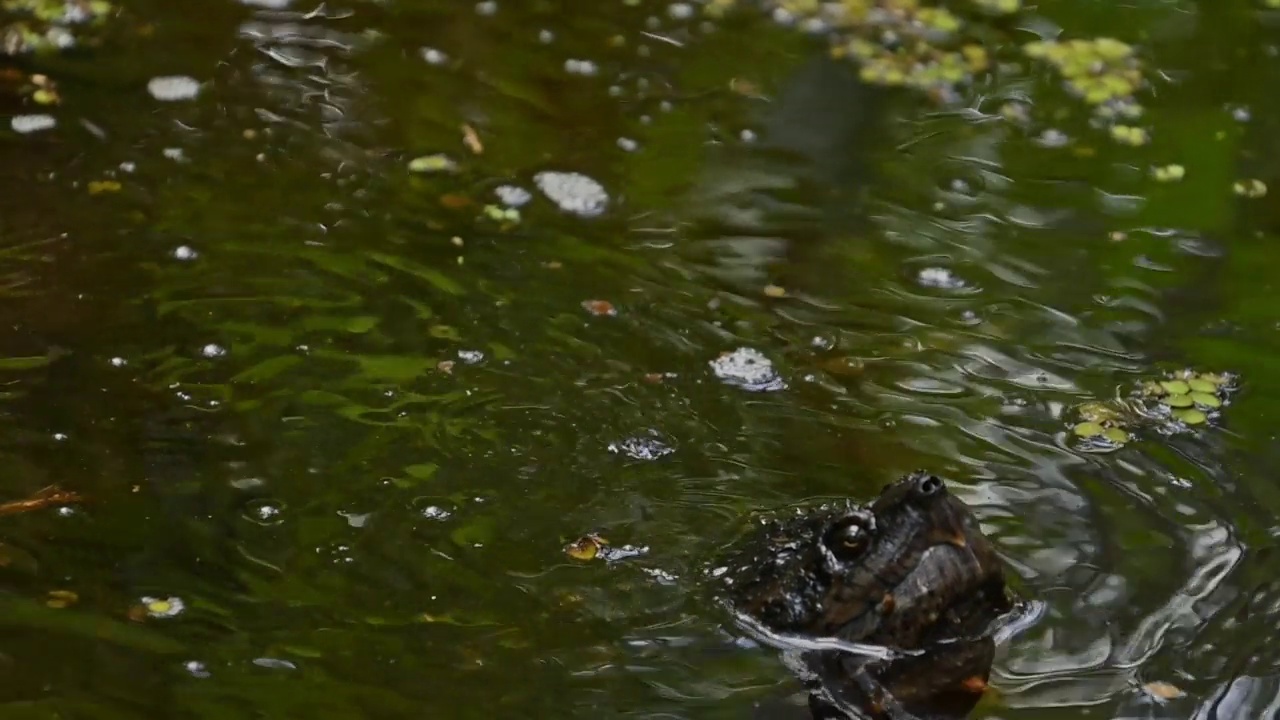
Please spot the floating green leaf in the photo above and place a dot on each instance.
(1206, 399)
(1116, 435)
(1190, 416)
(1200, 385)
(1088, 429)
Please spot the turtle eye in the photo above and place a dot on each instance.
(849, 538)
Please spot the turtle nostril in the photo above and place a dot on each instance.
(928, 486)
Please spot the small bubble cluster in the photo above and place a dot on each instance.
(170, 88)
(939, 278)
(649, 446)
(748, 369)
(573, 192)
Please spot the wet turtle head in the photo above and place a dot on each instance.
(890, 572)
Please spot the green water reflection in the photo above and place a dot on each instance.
(344, 421)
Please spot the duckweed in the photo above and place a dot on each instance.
(1191, 416)
(927, 46)
(1088, 429)
(1116, 435)
(1200, 385)
(1130, 135)
(1252, 188)
(1166, 405)
(45, 25)
(1206, 399)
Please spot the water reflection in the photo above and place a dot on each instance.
(349, 419)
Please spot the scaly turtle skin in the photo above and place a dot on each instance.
(910, 571)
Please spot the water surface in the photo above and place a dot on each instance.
(337, 419)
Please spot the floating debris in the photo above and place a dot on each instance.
(168, 607)
(499, 214)
(643, 447)
(471, 139)
(1162, 690)
(264, 511)
(25, 124)
(171, 88)
(435, 512)
(1252, 188)
(594, 547)
(940, 278)
(97, 187)
(1130, 135)
(61, 599)
(599, 308)
(438, 163)
(748, 369)
(45, 497)
(573, 192)
(1168, 173)
(512, 195)
(433, 56)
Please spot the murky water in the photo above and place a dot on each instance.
(335, 420)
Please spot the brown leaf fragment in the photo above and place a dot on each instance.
(1162, 690)
(599, 307)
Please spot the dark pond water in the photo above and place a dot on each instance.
(334, 421)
